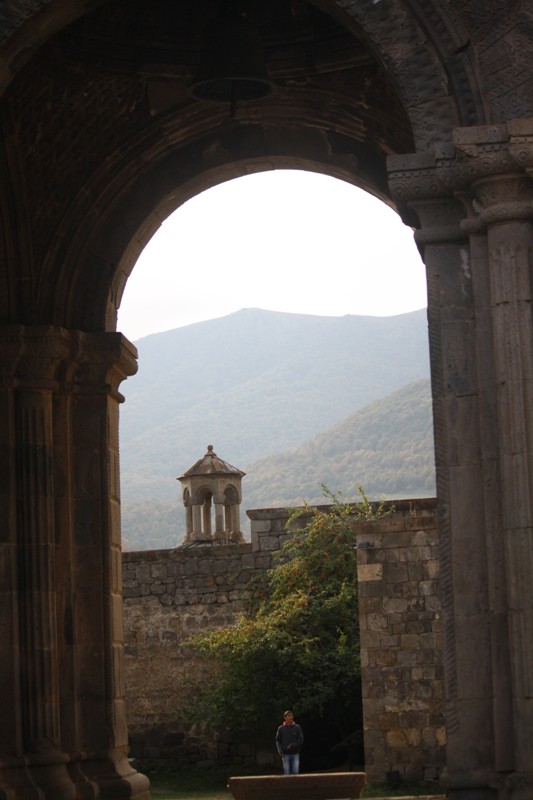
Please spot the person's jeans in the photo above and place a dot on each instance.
(291, 763)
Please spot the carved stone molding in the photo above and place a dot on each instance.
(43, 357)
(521, 143)
(494, 169)
(487, 170)
(483, 150)
(418, 182)
(31, 356)
(103, 360)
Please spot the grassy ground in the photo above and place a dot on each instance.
(210, 784)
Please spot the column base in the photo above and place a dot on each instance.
(36, 782)
(116, 780)
(519, 786)
(476, 786)
(82, 780)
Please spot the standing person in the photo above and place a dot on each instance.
(289, 739)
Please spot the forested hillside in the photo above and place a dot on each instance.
(386, 447)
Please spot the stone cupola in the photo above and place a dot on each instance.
(212, 484)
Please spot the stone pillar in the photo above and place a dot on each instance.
(503, 196)
(218, 500)
(188, 517)
(456, 353)
(196, 520)
(10, 729)
(482, 369)
(31, 746)
(206, 517)
(102, 362)
(236, 518)
(64, 735)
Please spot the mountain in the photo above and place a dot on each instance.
(255, 384)
(386, 447)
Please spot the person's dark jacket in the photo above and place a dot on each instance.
(289, 739)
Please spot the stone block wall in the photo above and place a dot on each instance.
(401, 644)
(170, 594)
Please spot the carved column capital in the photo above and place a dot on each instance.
(483, 151)
(495, 168)
(40, 356)
(414, 177)
(31, 356)
(486, 169)
(521, 143)
(425, 182)
(103, 361)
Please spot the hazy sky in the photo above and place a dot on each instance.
(283, 241)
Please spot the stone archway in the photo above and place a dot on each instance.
(428, 105)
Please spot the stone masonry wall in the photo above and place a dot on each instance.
(170, 594)
(401, 644)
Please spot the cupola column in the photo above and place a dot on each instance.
(197, 514)
(235, 515)
(219, 513)
(206, 517)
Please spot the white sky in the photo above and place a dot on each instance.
(283, 240)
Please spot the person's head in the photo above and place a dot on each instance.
(288, 716)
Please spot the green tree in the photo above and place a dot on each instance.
(298, 645)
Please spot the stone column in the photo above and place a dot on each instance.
(188, 518)
(10, 729)
(63, 732)
(235, 517)
(206, 517)
(197, 510)
(102, 362)
(227, 517)
(503, 193)
(35, 759)
(458, 353)
(487, 521)
(218, 500)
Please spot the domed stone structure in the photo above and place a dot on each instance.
(212, 484)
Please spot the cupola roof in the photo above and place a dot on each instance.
(211, 464)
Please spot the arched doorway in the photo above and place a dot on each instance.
(279, 268)
(94, 155)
